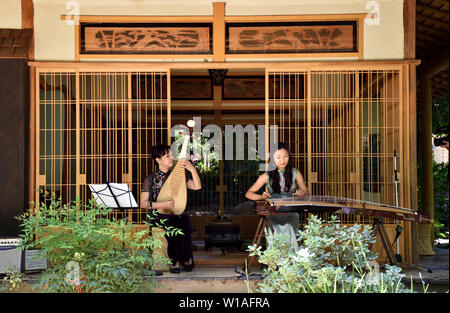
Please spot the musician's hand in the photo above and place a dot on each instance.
(265, 195)
(167, 206)
(188, 165)
(299, 193)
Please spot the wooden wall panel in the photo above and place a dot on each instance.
(14, 143)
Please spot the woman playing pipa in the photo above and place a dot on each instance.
(179, 248)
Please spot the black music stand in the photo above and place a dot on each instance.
(115, 196)
(150, 198)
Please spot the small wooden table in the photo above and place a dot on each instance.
(222, 235)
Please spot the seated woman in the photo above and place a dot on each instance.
(179, 248)
(284, 181)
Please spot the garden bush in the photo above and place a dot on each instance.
(88, 251)
(331, 259)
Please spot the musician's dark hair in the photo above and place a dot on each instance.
(159, 151)
(274, 176)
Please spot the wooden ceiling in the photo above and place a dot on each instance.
(432, 30)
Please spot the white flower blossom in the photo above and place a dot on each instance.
(304, 253)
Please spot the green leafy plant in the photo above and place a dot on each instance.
(441, 199)
(13, 280)
(331, 259)
(88, 251)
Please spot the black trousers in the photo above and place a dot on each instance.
(179, 247)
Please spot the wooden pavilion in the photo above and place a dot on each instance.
(92, 89)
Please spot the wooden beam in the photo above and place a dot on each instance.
(27, 14)
(422, 50)
(138, 19)
(219, 32)
(125, 66)
(433, 66)
(431, 20)
(28, 22)
(409, 26)
(439, 32)
(433, 10)
(428, 38)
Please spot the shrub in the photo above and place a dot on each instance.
(87, 251)
(332, 258)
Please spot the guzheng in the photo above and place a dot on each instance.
(175, 186)
(330, 204)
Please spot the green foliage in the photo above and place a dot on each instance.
(87, 251)
(440, 112)
(12, 280)
(440, 187)
(439, 230)
(332, 259)
(441, 198)
(335, 242)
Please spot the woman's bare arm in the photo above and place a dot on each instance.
(164, 206)
(302, 189)
(252, 191)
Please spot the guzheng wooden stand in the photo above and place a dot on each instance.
(264, 221)
(378, 228)
(332, 205)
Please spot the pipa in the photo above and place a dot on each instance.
(175, 186)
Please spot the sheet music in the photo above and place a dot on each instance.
(103, 196)
(123, 195)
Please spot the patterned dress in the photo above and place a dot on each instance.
(179, 248)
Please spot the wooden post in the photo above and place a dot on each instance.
(221, 188)
(425, 230)
(413, 162)
(32, 141)
(409, 26)
(219, 31)
(27, 14)
(28, 22)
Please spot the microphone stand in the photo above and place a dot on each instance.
(398, 228)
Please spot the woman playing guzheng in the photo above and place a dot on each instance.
(179, 247)
(284, 181)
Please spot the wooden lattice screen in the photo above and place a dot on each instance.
(342, 127)
(98, 127)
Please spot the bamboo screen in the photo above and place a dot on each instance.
(98, 127)
(342, 127)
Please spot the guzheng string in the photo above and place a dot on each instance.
(332, 200)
